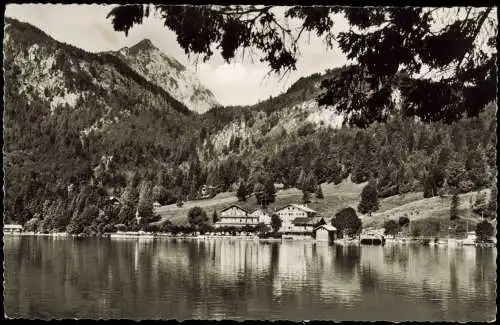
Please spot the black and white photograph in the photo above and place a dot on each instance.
(250, 162)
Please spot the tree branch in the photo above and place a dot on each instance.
(481, 21)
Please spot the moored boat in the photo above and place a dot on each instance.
(132, 235)
(470, 240)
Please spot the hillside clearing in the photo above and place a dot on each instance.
(337, 197)
(421, 209)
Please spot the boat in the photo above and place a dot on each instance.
(132, 234)
(470, 240)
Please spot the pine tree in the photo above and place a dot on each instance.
(145, 205)
(215, 217)
(455, 201)
(491, 208)
(369, 199)
(306, 197)
(456, 173)
(269, 191)
(319, 193)
(429, 186)
(276, 222)
(241, 193)
(477, 167)
(128, 201)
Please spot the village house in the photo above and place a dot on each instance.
(262, 215)
(296, 218)
(11, 228)
(207, 191)
(235, 216)
(279, 186)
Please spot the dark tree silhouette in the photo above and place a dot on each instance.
(491, 208)
(197, 217)
(276, 222)
(319, 193)
(215, 217)
(241, 193)
(455, 202)
(484, 230)
(391, 227)
(262, 227)
(306, 197)
(391, 46)
(347, 221)
(369, 199)
(403, 221)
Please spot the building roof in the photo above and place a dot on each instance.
(234, 206)
(327, 227)
(372, 233)
(304, 221)
(259, 209)
(300, 207)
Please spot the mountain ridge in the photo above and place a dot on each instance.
(169, 74)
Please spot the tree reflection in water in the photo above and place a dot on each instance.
(187, 279)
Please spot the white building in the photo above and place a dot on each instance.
(236, 216)
(207, 191)
(10, 228)
(262, 216)
(296, 218)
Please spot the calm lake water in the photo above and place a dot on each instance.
(234, 279)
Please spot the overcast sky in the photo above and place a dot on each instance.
(239, 83)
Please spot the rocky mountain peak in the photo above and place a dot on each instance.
(144, 45)
(168, 73)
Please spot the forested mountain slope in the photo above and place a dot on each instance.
(73, 118)
(81, 127)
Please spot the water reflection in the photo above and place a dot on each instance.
(216, 278)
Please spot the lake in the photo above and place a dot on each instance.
(237, 279)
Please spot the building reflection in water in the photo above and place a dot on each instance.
(185, 279)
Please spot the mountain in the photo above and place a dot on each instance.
(169, 74)
(69, 115)
(81, 127)
(272, 122)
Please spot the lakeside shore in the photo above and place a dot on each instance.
(451, 242)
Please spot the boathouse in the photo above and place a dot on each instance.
(372, 237)
(325, 233)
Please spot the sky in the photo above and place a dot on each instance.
(242, 82)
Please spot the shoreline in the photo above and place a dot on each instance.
(340, 242)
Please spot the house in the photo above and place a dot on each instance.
(235, 216)
(325, 233)
(114, 200)
(279, 186)
(262, 216)
(293, 218)
(12, 228)
(207, 191)
(156, 204)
